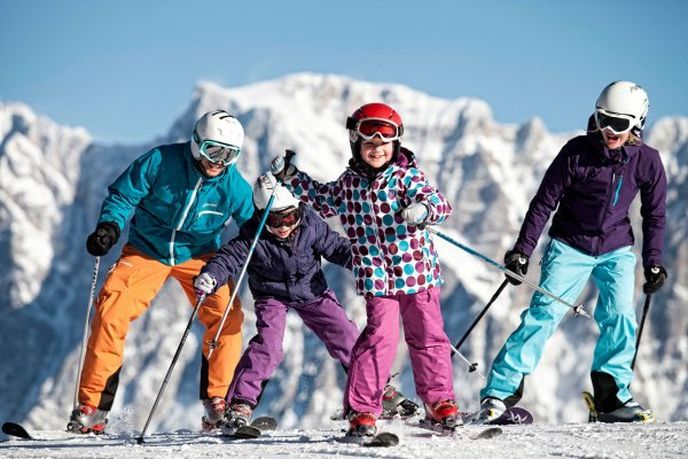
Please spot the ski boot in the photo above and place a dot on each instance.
(394, 403)
(215, 410)
(442, 415)
(86, 419)
(632, 411)
(361, 425)
(491, 409)
(238, 415)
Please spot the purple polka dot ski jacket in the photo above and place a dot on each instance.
(389, 256)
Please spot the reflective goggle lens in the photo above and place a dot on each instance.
(368, 129)
(217, 152)
(617, 124)
(280, 219)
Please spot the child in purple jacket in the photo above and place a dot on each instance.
(383, 201)
(285, 273)
(591, 184)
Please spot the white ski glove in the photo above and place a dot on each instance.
(204, 285)
(277, 169)
(415, 214)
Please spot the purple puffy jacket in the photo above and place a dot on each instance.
(290, 270)
(593, 188)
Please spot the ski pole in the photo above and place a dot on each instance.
(474, 365)
(199, 302)
(471, 366)
(94, 280)
(646, 308)
(578, 310)
(213, 343)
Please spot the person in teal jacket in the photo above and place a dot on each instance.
(179, 197)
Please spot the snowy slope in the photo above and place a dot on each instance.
(569, 440)
(53, 179)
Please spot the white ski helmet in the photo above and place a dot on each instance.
(624, 98)
(218, 127)
(262, 191)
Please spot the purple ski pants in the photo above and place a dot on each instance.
(324, 316)
(374, 352)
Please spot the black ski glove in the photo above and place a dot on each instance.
(517, 262)
(102, 239)
(655, 277)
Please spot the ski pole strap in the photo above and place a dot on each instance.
(578, 310)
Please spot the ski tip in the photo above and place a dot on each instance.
(490, 432)
(384, 439)
(15, 430)
(246, 432)
(264, 423)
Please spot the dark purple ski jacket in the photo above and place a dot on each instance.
(289, 271)
(593, 188)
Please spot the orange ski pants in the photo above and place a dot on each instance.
(129, 288)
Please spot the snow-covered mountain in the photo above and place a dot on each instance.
(53, 179)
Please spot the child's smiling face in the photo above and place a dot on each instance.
(376, 152)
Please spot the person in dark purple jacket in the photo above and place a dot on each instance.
(591, 184)
(285, 273)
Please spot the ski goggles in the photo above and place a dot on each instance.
(368, 128)
(615, 122)
(289, 217)
(217, 152)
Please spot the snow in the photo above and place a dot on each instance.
(53, 179)
(537, 440)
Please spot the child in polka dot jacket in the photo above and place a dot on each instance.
(383, 201)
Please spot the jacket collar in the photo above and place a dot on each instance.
(404, 158)
(620, 155)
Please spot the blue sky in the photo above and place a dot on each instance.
(126, 69)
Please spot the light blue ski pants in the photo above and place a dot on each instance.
(565, 271)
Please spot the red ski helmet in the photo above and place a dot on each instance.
(371, 120)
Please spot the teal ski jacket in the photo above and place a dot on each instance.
(178, 212)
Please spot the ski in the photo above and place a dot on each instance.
(439, 429)
(246, 432)
(13, 429)
(406, 410)
(590, 403)
(383, 439)
(512, 415)
(595, 416)
(16, 430)
(264, 423)
(380, 440)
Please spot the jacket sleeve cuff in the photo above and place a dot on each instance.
(524, 248)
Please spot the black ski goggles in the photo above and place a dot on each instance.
(618, 124)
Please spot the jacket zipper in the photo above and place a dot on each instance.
(181, 220)
(617, 191)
